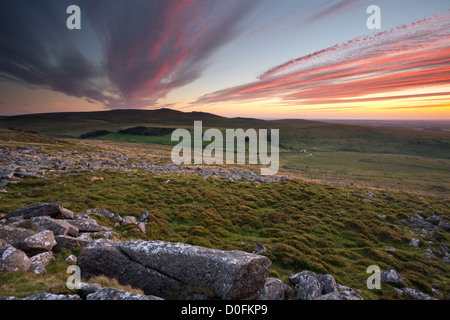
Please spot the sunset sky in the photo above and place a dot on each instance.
(259, 58)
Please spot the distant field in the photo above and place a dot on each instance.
(385, 157)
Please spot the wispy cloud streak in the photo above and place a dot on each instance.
(408, 57)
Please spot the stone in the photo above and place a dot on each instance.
(106, 213)
(37, 269)
(144, 217)
(444, 226)
(65, 214)
(8, 174)
(420, 223)
(275, 289)
(127, 220)
(71, 260)
(42, 259)
(341, 295)
(12, 259)
(392, 276)
(328, 282)
(417, 295)
(307, 284)
(14, 235)
(260, 248)
(85, 289)
(117, 294)
(67, 242)
(51, 296)
(58, 227)
(86, 224)
(223, 274)
(43, 241)
(104, 257)
(141, 227)
(41, 209)
(415, 242)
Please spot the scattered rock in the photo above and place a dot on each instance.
(444, 226)
(275, 289)
(106, 213)
(67, 242)
(307, 284)
(328, 282)
(127, 220)
(71, 260)
(392, 276)
(116, 294)
(141, 227)
(260, 248)
(417, 295)
(144, 217)
(104, 257)
(8, 174)
(42, 259)
(415, 242)
(58, 227)
(12, 259)
(85, 289)
(43, 241)
(51, 296)
(37, 269)
(14, 235)
(341, 295)
(85, 224)
(53, 209)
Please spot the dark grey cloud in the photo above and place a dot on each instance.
(142, 50)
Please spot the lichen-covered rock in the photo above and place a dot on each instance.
(53, 209)
(104, 257)
(71, 259)
(14, 235)
(328, 282)
(417, 295)
(43, 241)
(116, 294)
(12, 259)
(217, 273)
(51, 296)
(85, 224)
(66, 242)
(341, 295)
(106, 213)
(392, 276)
(85, 289)
(128, 220)
(307, 284)
(58, 227)
(275, 289)
(42, 258)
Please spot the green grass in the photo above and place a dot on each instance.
(304, 225)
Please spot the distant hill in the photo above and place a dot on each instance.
(295, 134)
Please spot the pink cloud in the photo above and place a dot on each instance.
(407, 57)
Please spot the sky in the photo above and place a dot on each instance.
(250, 58)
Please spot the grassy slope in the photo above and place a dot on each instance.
(304, 225)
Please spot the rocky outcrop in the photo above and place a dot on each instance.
(67, 242)
(167, 269)
(116, 294)
(14, 235)
(12, 259)
(275, 289)
(417, 295)
(43, 241)
(311, 286)
(58, 227)
(51, 296)
(53, 210)
(392, 276)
